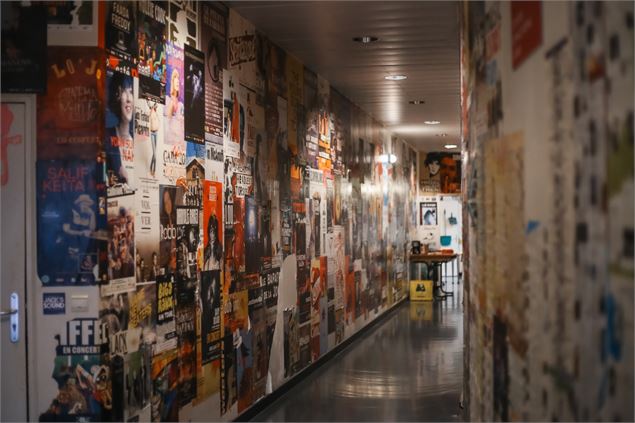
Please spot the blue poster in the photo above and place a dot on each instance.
(71, 221)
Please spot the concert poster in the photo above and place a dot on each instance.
(70, 115)
(71, 222)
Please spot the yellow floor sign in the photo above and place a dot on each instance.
(421, 290)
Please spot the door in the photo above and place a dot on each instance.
(16, 205)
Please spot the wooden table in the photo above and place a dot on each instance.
(435, 259)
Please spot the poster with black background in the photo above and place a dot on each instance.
(151, 38)
(23, 48)
(210, 315)
(214, 46)
(121, 40)
(194, 64)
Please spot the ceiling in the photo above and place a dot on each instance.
(418, 39)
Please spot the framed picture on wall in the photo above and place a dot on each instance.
(428, 213)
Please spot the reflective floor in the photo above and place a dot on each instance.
(407, 368)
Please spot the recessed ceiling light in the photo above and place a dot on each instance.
(417, 102)
(450, 146)
(365, 39)
(395, 77)
(431, 122)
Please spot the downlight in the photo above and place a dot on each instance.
(395, 77)
(365, 39)
(417, 102)
(431, 122)
(450, 146)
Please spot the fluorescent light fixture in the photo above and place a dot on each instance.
(365, 39)
(431, 122)
(450, 146)
(395, 77)
(386, 158)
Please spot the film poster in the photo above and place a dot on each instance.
(119, 134)
(194, 65)
(121, 246)
(151, 56)
(214, 46)
(69, 115)
(121, 40)
(71, 222)
(167, 229)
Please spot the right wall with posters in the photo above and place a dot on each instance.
(547, 132)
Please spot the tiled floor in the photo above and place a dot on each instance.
(408, 368)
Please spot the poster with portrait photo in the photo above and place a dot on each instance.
(121, 39)
(121, 246)
(167, 232)
(148, 136)
(194, 64)
(71, 222)
(428, 214)
(119, 139)
(440, 172)
(151, 56)
(147, 233)
(70, 115)
(214, 46)
(212, 226)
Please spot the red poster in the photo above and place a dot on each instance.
(526, 29)
(70, 115)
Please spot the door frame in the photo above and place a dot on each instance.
(31, 282)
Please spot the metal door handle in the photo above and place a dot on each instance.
(14, 323)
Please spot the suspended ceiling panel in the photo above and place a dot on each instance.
(418, 39)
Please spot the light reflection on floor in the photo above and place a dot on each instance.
(409, 368)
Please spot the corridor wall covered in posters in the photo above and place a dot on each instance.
(549, 194)
(218, 210)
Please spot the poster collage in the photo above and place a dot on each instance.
(228, 204)
(549, 217)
